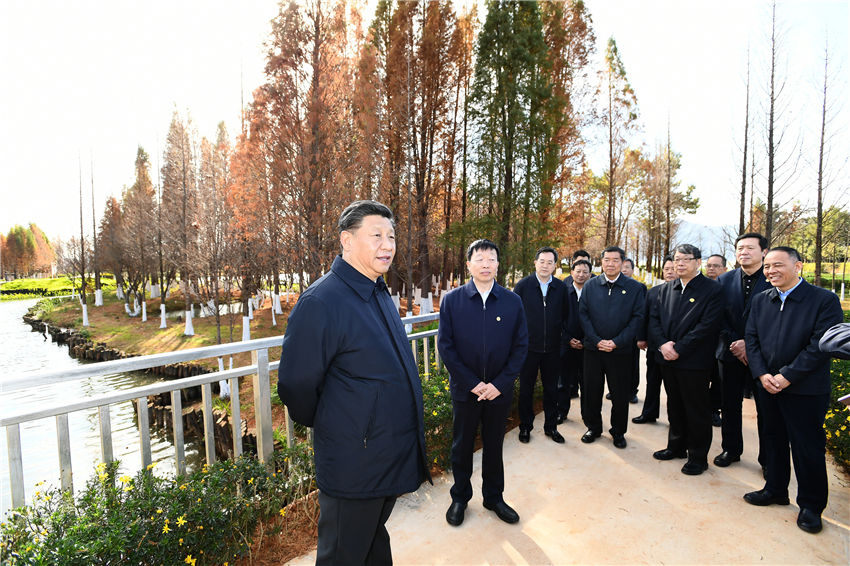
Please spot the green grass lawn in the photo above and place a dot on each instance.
(49, 286)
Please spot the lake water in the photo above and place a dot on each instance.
(23, 351)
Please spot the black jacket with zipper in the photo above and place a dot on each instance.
(547, 316)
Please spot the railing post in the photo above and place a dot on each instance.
(105, 434)
(235, 417)
(177, 423)
(263, 407)
(290, 433)
(144, 431)
(16, 465)
(426, 357)
(209, 430)
(63, 440)
(437, 355)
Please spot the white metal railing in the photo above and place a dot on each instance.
(259, 368)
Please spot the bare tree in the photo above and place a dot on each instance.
(741, 221)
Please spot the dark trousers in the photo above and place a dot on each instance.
(635, 372)
(617, 370)
(492, 416)
(796, 421)
(548, 364)
(689, 411)
(733, 377)
(572, 369)
(652, 401)
(353, 531)
(715, 388)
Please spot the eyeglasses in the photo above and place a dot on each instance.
(682, 259)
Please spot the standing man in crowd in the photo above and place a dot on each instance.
(577, 256)
(611, 313)
(739, 286)
(628, 270)
(544, 298)
(572, 360)
(715, 266)
(684, 321)
(483, 340)
(347, 371)
(652, 401)
(783, 330)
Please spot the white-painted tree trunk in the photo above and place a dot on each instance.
(246, 328)
(85, 315)
(144, 311)
(155, 291)
(190, 329)
(223, 385)
(127, 309)
(250, 309)
(408, 328)
(98, 297)
(396, 301)
(162, 317)
(842, 290)
(119, 293)
(277, 307)
(274, 320)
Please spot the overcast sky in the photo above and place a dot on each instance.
(91, 81)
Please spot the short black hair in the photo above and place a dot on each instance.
(630, 260)
(546, 250)
(722, 258)
(612, 249)
(666, 259)
(580, 253)
(482, 244)
(688, 249)
(583, 262)
(352, 217)
(795, 255)
(763, 243)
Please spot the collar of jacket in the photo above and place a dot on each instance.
(797, 294)
(603, 280)
(677, 283)
(361, 284)
(470, 290)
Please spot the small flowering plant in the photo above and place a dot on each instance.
(837, 422)
(207, 517)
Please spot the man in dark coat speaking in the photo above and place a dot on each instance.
(347, 370)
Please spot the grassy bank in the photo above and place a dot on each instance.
(50, 287)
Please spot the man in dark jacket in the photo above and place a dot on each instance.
(652, 402)
(739, 287)
(483, 340)
(572, 357)
(544, 298)
(783, 330)
(684, 320)
(347, 370)
(611, 312)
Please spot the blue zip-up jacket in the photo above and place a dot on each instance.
(347, 370)
(736, 309)
(480, 342)
(615, 315)
(784, 339)
(546, 316)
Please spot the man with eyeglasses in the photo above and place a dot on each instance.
(610, 312)
(683, 322)
(544, 298)
(483, 340)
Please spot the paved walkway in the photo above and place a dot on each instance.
(595, 504)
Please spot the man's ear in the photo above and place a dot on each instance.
(345, 240)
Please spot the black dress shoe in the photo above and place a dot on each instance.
(555, 435)
(716, 419)
(763, 497)
(608, 395)
(668, 454)
(809, 521)
(724, 459)
(590, 436)
(620, 441)
(524, 435)
(454, 516)
(694, 468)
(634, 400)
(503, 511)
(561, 418)
(641, 419)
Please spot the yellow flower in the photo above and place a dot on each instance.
(180, 541)
(165, 528)
(283, 512)
(100, 467)
(159, 511)
(434, 413)
(151, 466)
(250, 481)
(183, 486)
(190, 560)
(181, 521)
(102, 476)
(125, 479)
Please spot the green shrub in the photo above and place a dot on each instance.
(207, 517)
(437, 401)
(837, 423)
